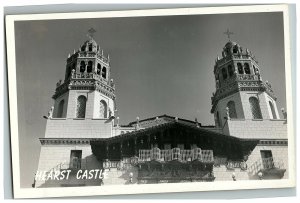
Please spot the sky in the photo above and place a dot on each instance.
(160, 65)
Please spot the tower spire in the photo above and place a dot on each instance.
(228, 33)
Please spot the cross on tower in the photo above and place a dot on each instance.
(228, 33)
(91, 32)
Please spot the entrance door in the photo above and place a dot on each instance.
(267, 159)
(75, 159)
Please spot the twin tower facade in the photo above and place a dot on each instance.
(85, 103)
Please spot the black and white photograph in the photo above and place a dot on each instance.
(150, 101)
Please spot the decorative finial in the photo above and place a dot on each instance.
(197, 124)
(112, 83)
(284, 113)
(247, 51)
(91, 32)
(74, 51)
(233, 176)
(72, 73)
(137, 123)
(176, 119)
(50, 113)
(228, 33)
(58, 83)
(156, 120)
(260, 175)
(227, 113)
(69, 55)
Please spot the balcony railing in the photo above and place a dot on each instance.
(82, 164)
(176, 154)
(264, 164)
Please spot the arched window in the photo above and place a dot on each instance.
(224, 73)
(81, 107)
(83, 48)
(230, 70)
(98, 68)
(60, 109)
(232, 111)
(255, 109)
(90, 47)
(90, 66)
(103, 109)
(272, 110)
(235, 49)
(218, 119)
(240, 68)
(82, 66)
(104, 72)
(247, 68)
(73, 67)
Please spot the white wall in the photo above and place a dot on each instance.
(78, 128)
(53, 155)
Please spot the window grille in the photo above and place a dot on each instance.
(232, 111)
(240, 68)
(90, 67)
(82, 66)
(247, 68)
(103, 109)
(104, 72)
(255, 109)
(81, 107)
(98, 69)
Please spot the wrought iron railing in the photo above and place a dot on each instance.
(175, 154)
(67, 165)
(126, 163)
(265, 163)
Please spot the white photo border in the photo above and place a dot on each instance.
(150, 188)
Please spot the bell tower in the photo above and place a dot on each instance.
(87, 90)
(84, 106)
(241, 94)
